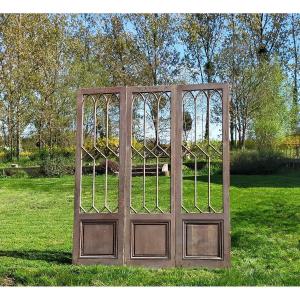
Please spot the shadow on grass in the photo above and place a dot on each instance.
(288, 180)
(59, 257)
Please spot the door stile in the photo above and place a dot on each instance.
(226, 173)
(127, 175)
(122, 170)
(175, 161)
(78, 171)
(177, 173)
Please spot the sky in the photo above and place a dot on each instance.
(150, 6)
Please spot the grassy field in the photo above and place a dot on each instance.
(36, 237)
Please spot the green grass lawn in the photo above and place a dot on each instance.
(36, 237)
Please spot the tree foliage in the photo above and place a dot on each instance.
(45, 58)
(270, 122)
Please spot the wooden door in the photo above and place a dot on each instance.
(139, 216)
(202, 193)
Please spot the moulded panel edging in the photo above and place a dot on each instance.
(103, 241)
(207, 243)
(148, 241)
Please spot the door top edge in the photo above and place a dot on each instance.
(155, 88)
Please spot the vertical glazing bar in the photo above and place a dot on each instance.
(202, 135)
(208, 116)
(106, 142)
(195, 182)
(94, 144)
(208, 141)
(181, 142)
(93, 184)
(208, 182)
(144, 180)
(95, 122)
(144, 156)
(157, 122)
(128, 121)
(183, 120)
(157, 174)
(106, 111)
(157, 159)
(195, 113)
(106, 172)
(79, 138)
(195, 141)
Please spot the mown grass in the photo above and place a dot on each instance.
(36, 237)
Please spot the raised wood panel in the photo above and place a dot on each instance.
(150, 240)
(202, 240)
(98, 239)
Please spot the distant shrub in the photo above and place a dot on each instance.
(112, 167)
(25, 154)
(202, 167)
(250, 144)
(113, 143)
(5, 155)
(39, 155)
(55, 166)
(3, 174)
(256, 162)
(137, 145)
(65, 154)
(16, 173)
(291, 141)
(110, 150)
(187, 171)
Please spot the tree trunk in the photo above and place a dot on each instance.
(5, 140)
(155, 121)
(295, 87)
(50, 137)
(232, 141)
(206, 135)
(18, 142)
(19, 92)
(243, 136)
(40, 137)
(10, 132)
